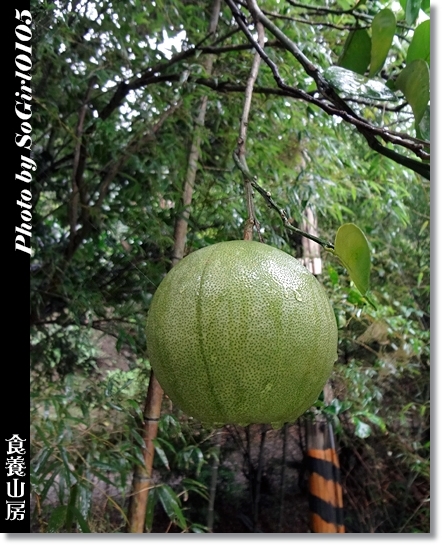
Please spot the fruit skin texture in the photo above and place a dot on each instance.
(240, 332)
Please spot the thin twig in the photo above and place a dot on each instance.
(180, 232)
(351, 11)
(314, 23)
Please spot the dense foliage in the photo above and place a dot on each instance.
(117, 89)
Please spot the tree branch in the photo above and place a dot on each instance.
(319, 10)
(313, 23)
(330, 102)
(340, 107)
(415, 145)
(78, 166)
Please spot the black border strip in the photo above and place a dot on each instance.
(16, 265)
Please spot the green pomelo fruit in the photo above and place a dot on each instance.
(240, 333)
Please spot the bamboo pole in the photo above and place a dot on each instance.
(213, 482)
(283, 473)
(257, 488)
(181, 225)
(142, 480)
(143, 474)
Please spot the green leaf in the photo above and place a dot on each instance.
(377, 420)
(57, 519)
(81, 521)
(368, 297)
(425, 6)
(420, 44)
(69, 473)
(351, 247)
(195, 486)
(411, 8)
(102, 476)
(138, 438)
(383, 28)
(85, 497)
(362, 429)
(153, 497)
(70, 509)
(198, 528)
(161, 453)
(423, 129)
(48, 483)
(356, 53)
(355, 298)
(334, 277)
(171, 505)
(136, 407)
(355, 85)
(414, 82)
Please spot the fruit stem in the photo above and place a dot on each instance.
(329, 246)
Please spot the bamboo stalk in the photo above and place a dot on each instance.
(143, 475)
(181, 225)
(283, 472)
(257, 487)
(213, 482)
(142, 480)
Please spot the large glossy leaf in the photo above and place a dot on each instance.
(420, 44)
(351, 247)
(356, 53)
(355, 85)
(383, 28)
(414, 82)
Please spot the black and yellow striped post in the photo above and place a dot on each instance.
(325, 490)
